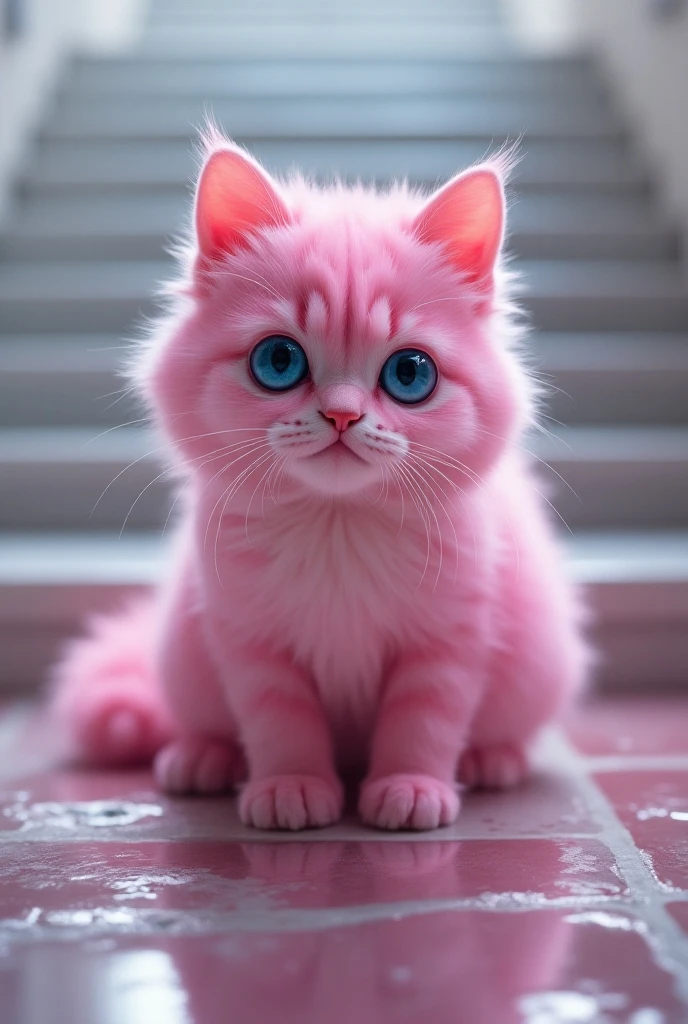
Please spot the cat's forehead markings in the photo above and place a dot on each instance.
(380, 318)
(345, 287)
(317, 313)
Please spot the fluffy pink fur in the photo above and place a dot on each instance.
(388, 597)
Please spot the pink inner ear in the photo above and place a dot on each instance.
(235, 198)
(467, 218)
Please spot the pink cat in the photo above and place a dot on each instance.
(364, 577)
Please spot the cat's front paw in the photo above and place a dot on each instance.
(408, 801)
(291, 802)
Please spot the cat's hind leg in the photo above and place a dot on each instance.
(202, 755)
(493, 766)
(538, 665)
(199, 764)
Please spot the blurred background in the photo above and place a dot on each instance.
(99, 103)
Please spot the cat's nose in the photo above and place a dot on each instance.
(341, 421)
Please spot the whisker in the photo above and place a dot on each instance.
(451, 463)
(401, 495)
(383, 478)
(280, 478)
(250, 280)
(117, 426)
(386, 486)
(167, 470)
(212, 456)
(251, 451)
(230, 492)
(532, 455)
(429, 468)
(413, 487)
(250, 500)
(268, 484)
(163, 447)
(423, 482)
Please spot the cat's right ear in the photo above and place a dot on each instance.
(235, 199)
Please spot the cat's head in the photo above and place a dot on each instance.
(350, 335)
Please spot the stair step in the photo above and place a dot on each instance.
(76, 297)
(636, 583)
(74, 467)
(630, 243)
(313, 8)
(531, 238)
(159, 212)
(288, 117)
(64, 380)
(630, 378)
(210, 19)
(441, 39)
(597, 559)
(212, 79)
(222, 17)
(565, 296)
(324, 30)
(641, 379)
(614, 477)
(546, 164)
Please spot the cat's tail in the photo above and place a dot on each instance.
(104, 695)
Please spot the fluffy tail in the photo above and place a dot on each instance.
(105, 697)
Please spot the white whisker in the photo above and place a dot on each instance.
(414, 494)
(250, 500)
(211, 457)
(423, 483)
(162, 447)
(228, 494)
(166, 470)
(426, 468)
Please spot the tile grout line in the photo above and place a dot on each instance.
(271, 838)
(11, 724)
(666, 938)
(289, 919)
(630, 762)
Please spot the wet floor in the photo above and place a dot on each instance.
(565, 902)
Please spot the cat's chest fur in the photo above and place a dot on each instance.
(343, 590)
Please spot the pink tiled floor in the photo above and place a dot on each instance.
(565, 902)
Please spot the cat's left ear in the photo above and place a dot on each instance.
(467, 217)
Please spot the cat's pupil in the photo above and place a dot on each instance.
(280, 358)
(406, 371)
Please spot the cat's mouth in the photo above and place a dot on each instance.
(338, 450)
(335, 470)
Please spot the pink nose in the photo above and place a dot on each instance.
(341, 421)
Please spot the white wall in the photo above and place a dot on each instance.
(645, 58)
(30, 64)
(544, 26)
(647, 62)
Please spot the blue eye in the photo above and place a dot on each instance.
(409, 376)
(278, 363)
